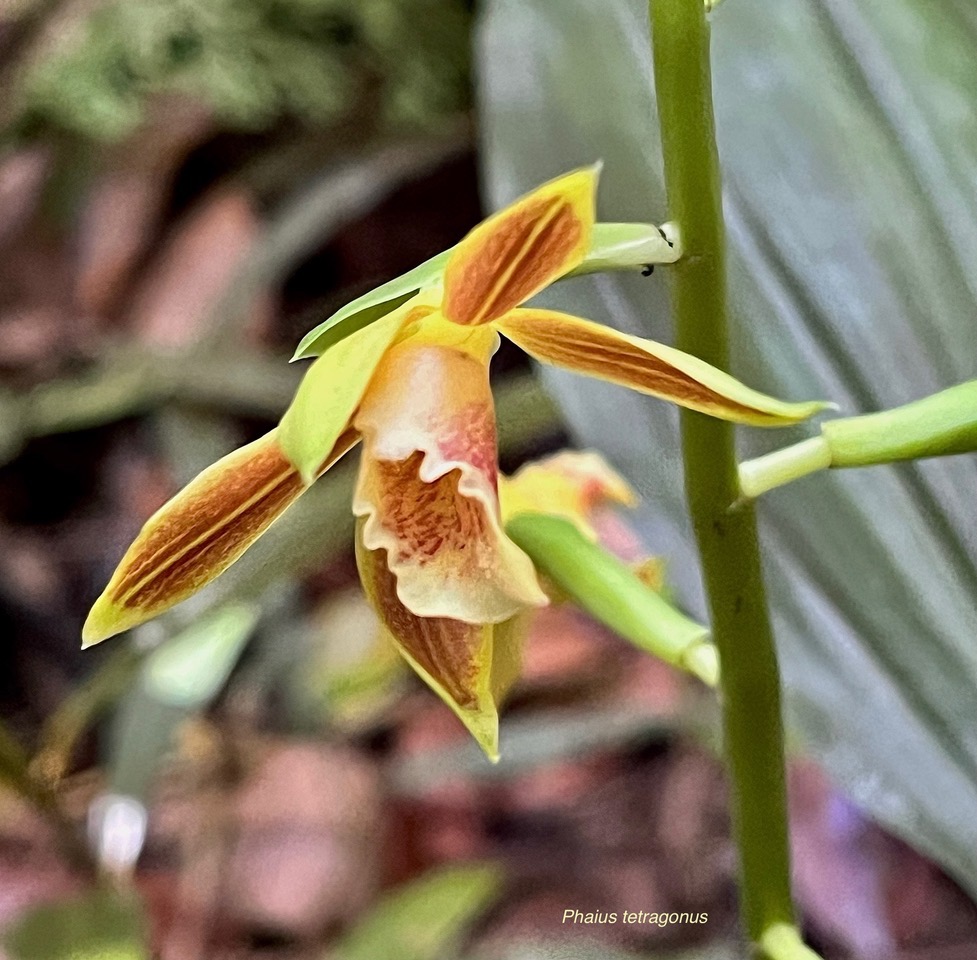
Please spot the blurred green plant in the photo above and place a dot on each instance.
(102, 925)
(177, 680)
(426, 918)
(405, 62)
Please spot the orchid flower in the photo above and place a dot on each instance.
(448, 584)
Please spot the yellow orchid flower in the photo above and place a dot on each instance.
(449, 585)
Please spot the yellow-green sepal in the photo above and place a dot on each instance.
(370, 307)
(331, 391)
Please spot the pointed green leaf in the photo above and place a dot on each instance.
(425, 919)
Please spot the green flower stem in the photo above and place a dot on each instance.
(782, 466)
(783, 942)
(727, 538)
(613, 594)
(940, 425)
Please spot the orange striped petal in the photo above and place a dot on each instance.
(646, 366)
(428, 487)
(198, 534)
(520, 250)
(469, 665)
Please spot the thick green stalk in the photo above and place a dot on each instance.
(727, 538)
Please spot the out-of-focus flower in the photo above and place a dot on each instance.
(580, 486)
(448, 584)
(571, 484)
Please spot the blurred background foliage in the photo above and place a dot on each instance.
(253, 62)
(185, 189)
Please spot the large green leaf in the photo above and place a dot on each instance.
(849, 145)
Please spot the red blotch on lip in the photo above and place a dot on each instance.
(469, 436)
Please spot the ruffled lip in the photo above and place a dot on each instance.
(427, 488)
